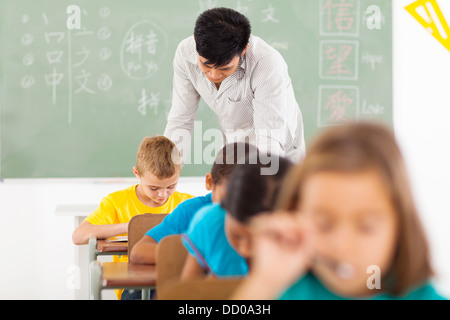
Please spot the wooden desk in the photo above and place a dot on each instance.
(122, 275)
(103, 247)
(106, 247)
(125, 274)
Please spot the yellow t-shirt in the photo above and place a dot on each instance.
(121, 206)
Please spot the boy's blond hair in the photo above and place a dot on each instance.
(159, 156)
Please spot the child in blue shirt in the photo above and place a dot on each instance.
(209, 247)
(177, 222)
(346, 226)
(218, 239)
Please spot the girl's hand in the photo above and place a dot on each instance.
(282, 248)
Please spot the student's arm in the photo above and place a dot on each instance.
(87, 230)
(192, 269)
(144, 251)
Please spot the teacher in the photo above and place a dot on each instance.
(242, 79)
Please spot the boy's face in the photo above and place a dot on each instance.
(156, 191)
(218, 190)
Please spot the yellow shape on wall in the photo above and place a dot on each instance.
(430, 16)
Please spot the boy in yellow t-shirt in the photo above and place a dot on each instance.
(158, 167)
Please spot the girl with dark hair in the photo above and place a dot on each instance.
(218, 239)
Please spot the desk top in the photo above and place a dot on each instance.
(126, 274)
(105, 246)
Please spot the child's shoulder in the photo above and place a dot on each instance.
(123, 193)
(425, 292)
(182, 196)
(178, 198)
(208, 214)
(199, 201)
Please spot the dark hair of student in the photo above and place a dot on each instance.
(220, 35)
(229, 156)
(250, 193)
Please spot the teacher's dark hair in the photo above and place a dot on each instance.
(220, 35)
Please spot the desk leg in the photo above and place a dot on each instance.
(81, 260)
(146, 294)
(92, 249)
(95, 286)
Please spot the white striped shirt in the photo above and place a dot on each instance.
(257, 101)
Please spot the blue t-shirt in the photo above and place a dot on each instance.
(207, 242)
(178, 221)
(310, 288)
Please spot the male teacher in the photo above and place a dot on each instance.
(242, 79)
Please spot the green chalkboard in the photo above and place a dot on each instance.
(77, 102)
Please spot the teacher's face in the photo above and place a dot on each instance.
(218, 74)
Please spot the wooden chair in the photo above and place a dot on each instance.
(201, 289)
(140, 224)
(137, 228)
(170, 257)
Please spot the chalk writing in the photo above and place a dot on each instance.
(372, 60)
(82, 80)
(151, 101)
(242, 9)
(372, 109)
(339, 59)
(27, 39)
(269, 15)
(339, 17)
(338, 105)
(27, 81)
(84, 53)
(69, 62)
(52, 80)
(28, 59)
(104, 82)
(142, 49)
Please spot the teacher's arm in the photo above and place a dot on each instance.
(185, 99)
(275, 107)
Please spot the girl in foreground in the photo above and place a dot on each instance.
(346, 228)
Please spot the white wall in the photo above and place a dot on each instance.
(38, 252)
(421, 117)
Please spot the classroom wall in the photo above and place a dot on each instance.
(38, 254)
(421, 118)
